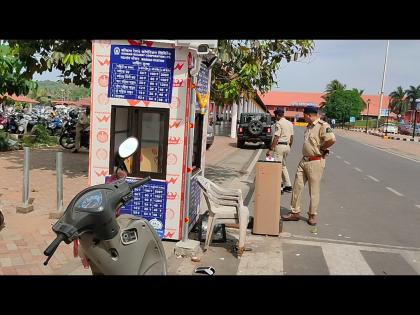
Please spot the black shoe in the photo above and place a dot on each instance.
(288, 189)
(75, 151)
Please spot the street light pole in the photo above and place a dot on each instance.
(367, 116)
(383, 84)
(415, 116)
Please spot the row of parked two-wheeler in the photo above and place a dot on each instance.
(63, 126)
(20, 123)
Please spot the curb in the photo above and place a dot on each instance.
(246, 169)
(375, 133)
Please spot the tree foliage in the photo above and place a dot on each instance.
(71, 57)
(244, 65)
(398, 102)
(342, 104)
(12, 77)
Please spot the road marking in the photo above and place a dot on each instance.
(373, 178)
(345, 260)
(394, 191)
(347, 162)
(254, 161)
(338, 157)
(358, 169)
(399, 155)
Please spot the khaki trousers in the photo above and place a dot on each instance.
(311, 172)
(79, 129)
(280, 154)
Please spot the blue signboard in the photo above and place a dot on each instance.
(149, 202)
(203, 80)
(141, 73)
(384, 112)
(352, 119)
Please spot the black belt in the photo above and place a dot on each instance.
(285, 143)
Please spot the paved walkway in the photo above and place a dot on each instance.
(25, 236)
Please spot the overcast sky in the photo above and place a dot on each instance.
(357, 63)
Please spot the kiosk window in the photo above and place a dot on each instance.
(150, 126)
(197, 144)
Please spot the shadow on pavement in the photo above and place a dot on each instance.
(220, 174)
(253, 146)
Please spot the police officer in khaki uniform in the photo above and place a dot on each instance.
(281, 144)
(318, 138)
(82, 123)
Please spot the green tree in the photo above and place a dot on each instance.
(334, 85)
(398, 102)
(12, 78)
(413, 93)
(244, 65)
(342, 104)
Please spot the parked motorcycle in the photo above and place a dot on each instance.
(4, 122)
(54, 126)
(13, 124)
(112, 244)
(68, 135)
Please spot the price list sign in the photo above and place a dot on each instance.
(195, 197)
(148, 202)
(141, 73)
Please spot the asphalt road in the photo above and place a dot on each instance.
(367, 195)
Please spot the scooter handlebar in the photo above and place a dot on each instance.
(53, 246)
(140, 182)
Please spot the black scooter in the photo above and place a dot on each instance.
(112, 244)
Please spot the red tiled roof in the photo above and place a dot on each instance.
(374, 104)
(21, 98)
(277, 98)
(288, 113)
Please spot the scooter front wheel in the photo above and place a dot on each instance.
(67, 142)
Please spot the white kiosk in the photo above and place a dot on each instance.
(156, 91)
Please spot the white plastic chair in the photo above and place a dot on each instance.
(225, 207)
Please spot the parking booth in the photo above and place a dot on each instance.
(158, 92)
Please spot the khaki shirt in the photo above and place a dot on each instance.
(283, 129)
(84, 119)
(315, 136)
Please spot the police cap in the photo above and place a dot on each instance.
(310, 110)
(279, 112)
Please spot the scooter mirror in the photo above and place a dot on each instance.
(128, 147)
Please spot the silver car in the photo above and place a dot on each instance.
(210, 136)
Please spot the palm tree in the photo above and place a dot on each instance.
(413, 93)
(334, 85)
(360, 92)
(398, 102)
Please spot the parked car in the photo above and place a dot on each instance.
(255, 127)
(210, 136)
(410, 130)
(389, 128)
(404, 129)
